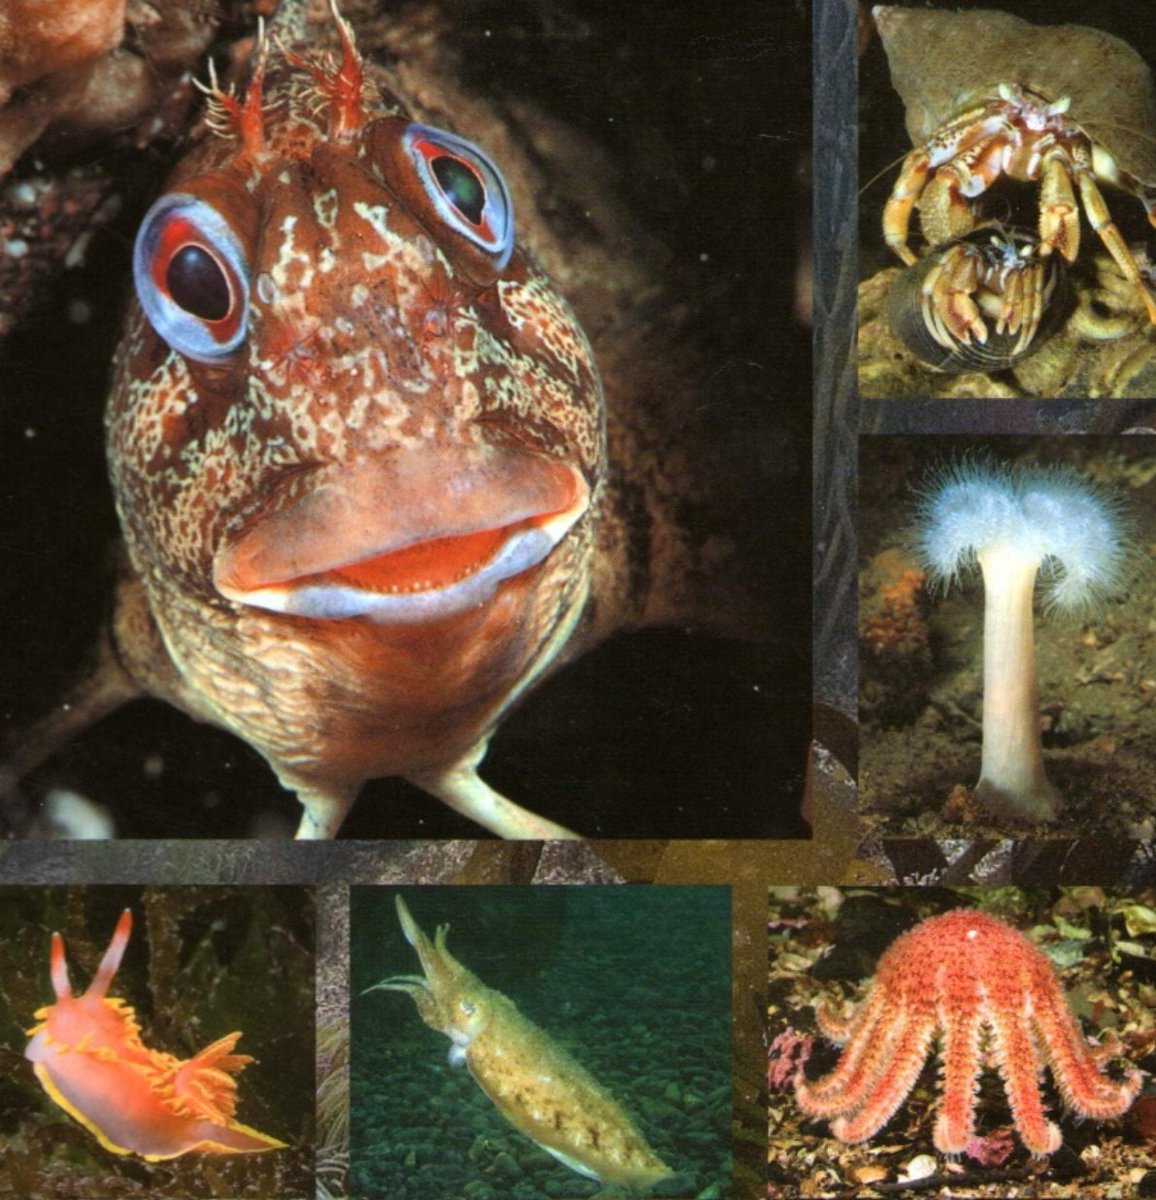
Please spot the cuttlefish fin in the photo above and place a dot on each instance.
(568, 1160)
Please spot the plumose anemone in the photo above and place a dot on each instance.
(1015, 522)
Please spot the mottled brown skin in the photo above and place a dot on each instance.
(331, 704)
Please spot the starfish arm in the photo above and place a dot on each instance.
(1019, 1068)
(860, 1064)
(834, 1025)
(1085, 1089)
(962, 1062)
(892, 1086)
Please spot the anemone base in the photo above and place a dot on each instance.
(1040, 802)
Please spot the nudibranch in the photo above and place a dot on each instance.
(356, 439)
(89, 1057)
(538, 1087)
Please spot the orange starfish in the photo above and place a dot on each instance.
(962, 973)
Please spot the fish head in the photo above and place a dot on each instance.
(346, 396)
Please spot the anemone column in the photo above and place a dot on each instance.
(1011, 777)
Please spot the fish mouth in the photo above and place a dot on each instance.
(412, 536)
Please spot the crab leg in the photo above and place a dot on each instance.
(945, 211)
(1059, 216)
(1011, 308)
(1002, 300)
(966, 164)
(966, 133)
(1033, 305)
(950, 290)
(897, 211)
(1101, 221)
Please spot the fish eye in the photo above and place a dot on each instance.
(468, 1008)
(198, 283)
(191, 278)
(460, 185)
(466, 190)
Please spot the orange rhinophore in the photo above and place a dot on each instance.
(88, 1055)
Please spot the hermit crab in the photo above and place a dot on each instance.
(988, 95)
(979, 302)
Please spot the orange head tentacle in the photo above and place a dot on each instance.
(112, 956)
(243, 119)
(340, 86)
(58, 966)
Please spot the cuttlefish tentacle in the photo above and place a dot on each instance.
(534, 1083)
(417, 988)
(442, 972)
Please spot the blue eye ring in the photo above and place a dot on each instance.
(191, 278)
(466, 190)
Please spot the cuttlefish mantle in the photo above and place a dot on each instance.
(539, 1088)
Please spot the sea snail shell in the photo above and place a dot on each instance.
(1008, 270)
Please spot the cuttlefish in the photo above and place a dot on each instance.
(535, 1084)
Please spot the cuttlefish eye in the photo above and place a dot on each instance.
(467, 1008)
(191, 278)
(466, 190)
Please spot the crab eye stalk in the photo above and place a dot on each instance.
(191, 278)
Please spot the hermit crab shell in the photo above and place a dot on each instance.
(943, 63)
(907, 306)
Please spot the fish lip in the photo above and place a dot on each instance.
(326, 549)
